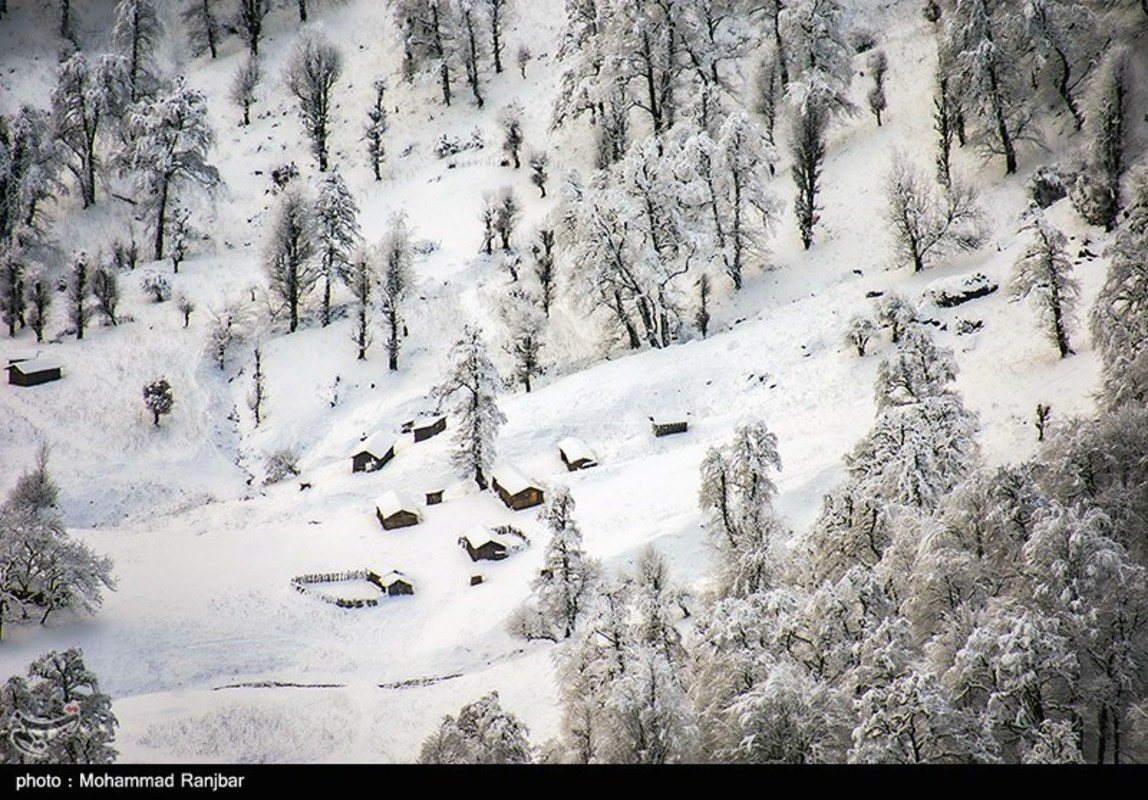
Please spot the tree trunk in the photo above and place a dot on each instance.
(161, 219)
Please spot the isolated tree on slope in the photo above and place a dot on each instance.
(62, 688)
(524, 320)
(136, 36)
(927, 223)
(473, 381)
(1044, 271)
(376, 129)
(158, 398)
(79, 287)
(168, 141)
(395, 284)
(807, 148)
(337, 232)
(483, 733)
(311, 73)
(290, 254)
(363, 282)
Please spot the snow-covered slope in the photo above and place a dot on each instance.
(209, 652)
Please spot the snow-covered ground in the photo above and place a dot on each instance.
(208, 651)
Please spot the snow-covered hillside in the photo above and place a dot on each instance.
(208, 651)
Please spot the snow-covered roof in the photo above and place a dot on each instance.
(477, 536)
(35, 365)
(391, 577)
(427, 420)
(390, 503)
(576, 450)
(510, 479)
(377, 444)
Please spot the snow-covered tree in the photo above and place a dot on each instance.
(158, 398)
(179, 233)
(927, 223)
(542, 265)
(897, 314)
(737, 492)
(135, 36)
(39, 300)
(85, 97)
(507, 213)
(106, 291)
(820, 62)
(290, 254)
(243, 86)
(538, 175)
(1096, 193)
(807, 148)
(1044, 272)
(497, 13)
(336, 233)
(205, 29)
(30, 162)
(743, 211)
(524, 319)
(12, 301)
(650, 718)
(859, 331)
(946, 115)
(469, 15)
(563, 588)
(376, 129)
(42, 569)
(62, 689)
(395, 284)
(987, 73)
(363, 282)
(169, 138)
(310, 75)
(79, 287)
(483, 733)
(1117, 318)
(429, 33)
(879, 67)
(473, 382)
(510, 120)
(249, 18)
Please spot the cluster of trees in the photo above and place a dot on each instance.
(443, 37)
(42, 568)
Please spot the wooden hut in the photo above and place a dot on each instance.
(667, 426)
(435, 497)
(424, 428)
(32, 372)
(394, 511)
(576, 454)
(374, 453)
(516, 490)
(393, 582)
(482, 545)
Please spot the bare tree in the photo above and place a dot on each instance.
(249, 22)
(243, 86)
(364, 283)
(204, 28)
(925, 224)
(106, 290)
(510, 120)
(310, 75)
(79, 286)
(506, 217)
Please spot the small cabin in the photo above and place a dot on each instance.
(576, 454)
(482, 545)
(374, 453)
(435, 497)
(392, 583)
(32, 372)
(424, 428)
(667, 426)
(395, 511)
(516, 490)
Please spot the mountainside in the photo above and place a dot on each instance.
(208, 649)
